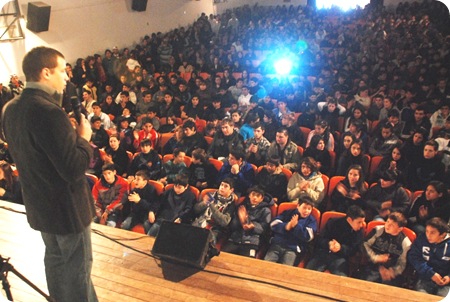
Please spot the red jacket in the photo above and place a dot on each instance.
(106, 195)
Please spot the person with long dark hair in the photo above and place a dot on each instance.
(306, 181)
(354, 155)
(349, 191)
(433, 202)
(317, 151)
(321, 128)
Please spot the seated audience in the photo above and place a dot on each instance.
(140, 201)
(117, 155)
(385, 197)
(174, 205)
(239, 170)
(250, 224)
(321, 128)
(353, 156)
(202, 174)
(285, 149)
(430, 257)
(349, 191)
(383, 144)
(340, 239)
(108, 192)
(173, 167)
(317, 151)
(257, 146)
(292, 230)
(386, 247)
(216, 210)
(272, 180)
(427, 168)
(225, 140)
(433, 202)
(307, 181)
(191, 139)
(10, 189)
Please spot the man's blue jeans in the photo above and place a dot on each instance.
(68, 265)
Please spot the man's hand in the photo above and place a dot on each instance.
(84, 128)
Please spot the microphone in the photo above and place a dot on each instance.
(76, 108)
(76, 105)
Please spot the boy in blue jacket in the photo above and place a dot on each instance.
(292, 230)
(430, 256)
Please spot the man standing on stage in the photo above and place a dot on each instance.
(52, 158)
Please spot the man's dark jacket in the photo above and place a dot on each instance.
(51, 159)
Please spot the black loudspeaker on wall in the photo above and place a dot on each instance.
(184, 244)
(139, 5)
(38, 16)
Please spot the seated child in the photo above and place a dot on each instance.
(292, 230)
(430, 257)
(175, 205)
(141, 200)
(174, 167)
(340, 239)
(386, 247)
(108, 191)
(215, 211)
(250, 224)
(148, 160)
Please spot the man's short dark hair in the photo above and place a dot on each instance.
(238, 153)
(355, 212)
(143, 174)
(256, 189)
(189, 124)
(399, 218)
(438, 224)
(125, 93)
(95, 119)
(182, 180)
(145, 142)
(393, 113)
(147, 120)
(305, 198)
(37, 59)
(284, 130)
(259, 125)
(229, 181)
(109, 167)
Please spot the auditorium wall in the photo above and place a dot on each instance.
(82, 27)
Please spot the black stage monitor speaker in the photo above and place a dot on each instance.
(184, 244)
(38, 16)
(139, 5)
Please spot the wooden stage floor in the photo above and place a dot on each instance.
(122, 274)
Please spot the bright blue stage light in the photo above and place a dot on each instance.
(283, 66)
